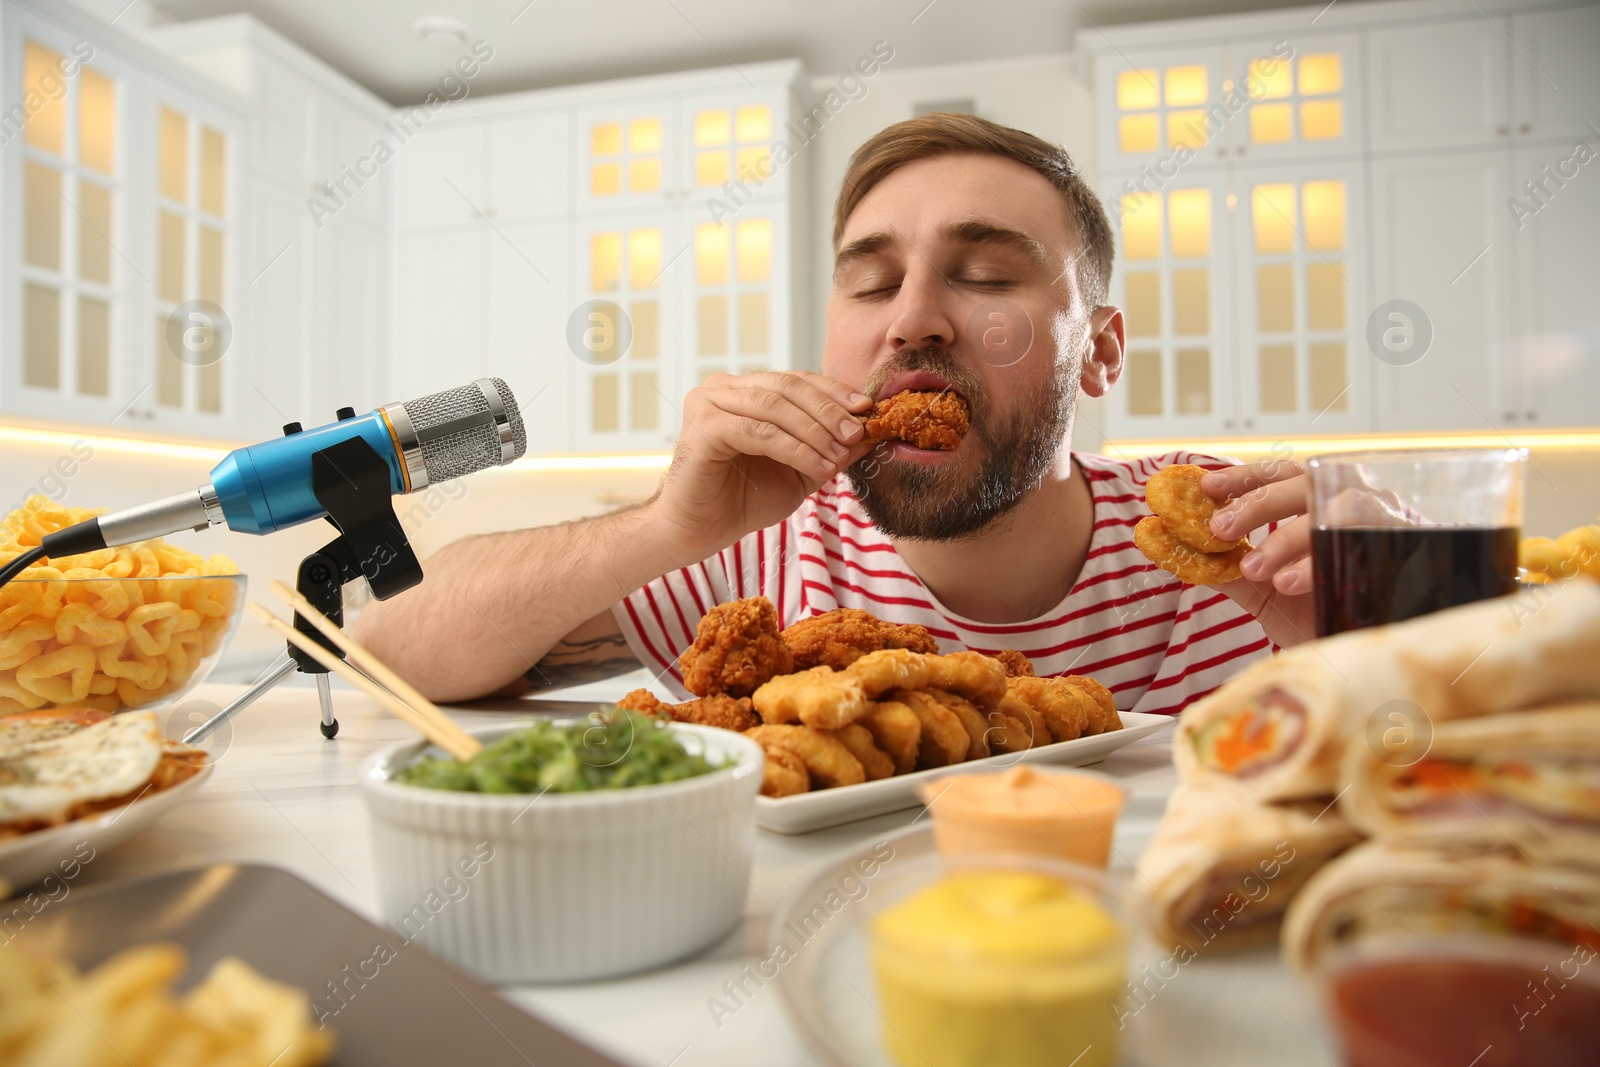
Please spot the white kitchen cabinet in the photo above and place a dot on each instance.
(122, 209)
(527, 167)
(1556, 352)
(1555, 78)
(1165, 108)
(281, 141)
(441, 176)
(1439, 84)
(346, 352)
(276, 324)
(525, 325)
(1306, 97)
(1440, 242)
(440, 303)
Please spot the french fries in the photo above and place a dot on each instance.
(79, 631)
(123, 1013)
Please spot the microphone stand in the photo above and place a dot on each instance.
(351, 482)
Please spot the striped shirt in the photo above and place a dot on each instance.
(1153, 641)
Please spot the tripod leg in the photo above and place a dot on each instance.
(275, 674)
(330, 725)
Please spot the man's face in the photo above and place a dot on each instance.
(957, 273)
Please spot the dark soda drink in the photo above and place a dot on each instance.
(1371, 575)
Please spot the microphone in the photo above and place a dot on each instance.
(267, 487)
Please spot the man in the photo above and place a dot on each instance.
(968, 257)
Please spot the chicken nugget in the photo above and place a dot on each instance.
(821, 697)
(784, 774)
(972, 721)
(1064, 711)
(840, 637)
(935, 420)
(720, 710)
(944, 739)
(827, 761)
(897, 731)
(1007, 733)
(1174, 495)
(1103, 717)
(1037, 725)
(644, 702)
(979, 678)
(874, 760)
(736, 648)
(1016, 664)
(1189, 564)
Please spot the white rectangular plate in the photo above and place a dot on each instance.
(830, 807)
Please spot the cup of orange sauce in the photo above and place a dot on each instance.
(1065, 815)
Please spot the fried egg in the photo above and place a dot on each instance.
(42, 782)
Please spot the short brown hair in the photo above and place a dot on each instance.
(944, 133)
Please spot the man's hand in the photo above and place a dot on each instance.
(1276, 587)
(752, 447)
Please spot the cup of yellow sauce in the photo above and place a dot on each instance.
(1065, 815)
(1002, 966)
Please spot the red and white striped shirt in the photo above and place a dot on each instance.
(1153, 641)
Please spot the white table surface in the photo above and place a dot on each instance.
(284, 796)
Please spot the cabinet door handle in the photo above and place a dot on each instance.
(1526, 127)
(1511, 416)
(1227, 424)
(1502, 130)
(1239, 151)
(1531, 416)
(1249, 424)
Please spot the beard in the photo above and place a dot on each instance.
(951, 501)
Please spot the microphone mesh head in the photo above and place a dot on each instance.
(470, 449)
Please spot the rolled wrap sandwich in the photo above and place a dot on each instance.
(1279, 729)
(1517, 774)
(1222, 867)
(1396, 888)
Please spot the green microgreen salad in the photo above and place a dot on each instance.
(605, 751)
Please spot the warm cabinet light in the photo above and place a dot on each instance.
(1136, 90)
(1247, 448)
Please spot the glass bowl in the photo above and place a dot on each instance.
(821, 951)
(111, 644)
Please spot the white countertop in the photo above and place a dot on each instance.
(282, 795)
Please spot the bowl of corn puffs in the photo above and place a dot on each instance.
(136, 626)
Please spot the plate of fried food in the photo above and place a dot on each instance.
(75, 782)
(854, 712)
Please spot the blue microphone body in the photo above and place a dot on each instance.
(268, 487)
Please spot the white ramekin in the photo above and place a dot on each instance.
(568, 886)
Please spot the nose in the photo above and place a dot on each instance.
(920, 314)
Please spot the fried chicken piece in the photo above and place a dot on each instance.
(736, 648)
(1103, 717)
(1191, 566)
(972, 721)
(644, 702)
(720, 710)
(1016, 664)
(874, 760)
(840, 637)
(925, 419)
(944, 739)
(897, 730)
(1016, 708)
(827, 761)
(1174, 495)
(821, 697)
(979, 678)
(784, 774)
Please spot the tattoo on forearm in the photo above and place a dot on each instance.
(592, 659)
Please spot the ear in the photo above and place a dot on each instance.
(1102, 365)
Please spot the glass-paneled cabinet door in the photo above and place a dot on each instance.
(735, 287)
(736, 147)
(624, 392)
(1171, 281)
(197, 362)
(1300, 345)
(1298, 96)
(625, 155)
(72, 274)
(1162, 110)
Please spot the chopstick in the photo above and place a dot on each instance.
(378, 670)
(424, 717)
